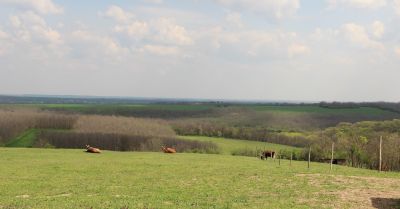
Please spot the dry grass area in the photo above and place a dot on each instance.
(357, 191)
(14, 121)
(123, 125)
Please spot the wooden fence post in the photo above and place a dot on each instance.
(291, 157)
(333, 146)
(380, 154)
(309, 158)
(279, 158)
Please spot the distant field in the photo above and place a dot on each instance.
(176, 107)
(57, 178)
(320, 110)
(230, 145)
(26, 139)
(197, 107)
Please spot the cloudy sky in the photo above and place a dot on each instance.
(346, 50)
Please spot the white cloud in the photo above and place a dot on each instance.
(260, 45)
(167, 31)
(30, 27)
(160, 30)
(378, 29)
(3, 42)
(118, 14)
(96, 43)
(154, 1)
(3, 35)
(40, 6)
(234, 19)
(397, 6)
(136, 29)
(324, 35)
(361, 4)
(160, 50)
(277, 9)
(358, 35)
(31, 39)
(297, 49)
(397, 51)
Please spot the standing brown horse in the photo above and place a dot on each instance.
(92, 149)
(168, 150)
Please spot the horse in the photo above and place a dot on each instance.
(168, 150)
(92, 149)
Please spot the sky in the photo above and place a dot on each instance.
(296, 50)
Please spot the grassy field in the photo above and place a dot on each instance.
(55, 178)
(26, 139)
(231, 145)
(199, 107)
(107, 107)
(194, 107)
(319, 110)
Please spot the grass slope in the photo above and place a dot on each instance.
(26, 139)
(50, 178)
(231, 145)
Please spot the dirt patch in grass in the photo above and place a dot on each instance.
(356, 191)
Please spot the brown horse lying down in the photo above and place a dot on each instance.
(92, 149)
(168, 150)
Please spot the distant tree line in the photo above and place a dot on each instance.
(389, 106)
(135, 112)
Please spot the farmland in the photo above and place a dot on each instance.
(59, 178)
(227, 173)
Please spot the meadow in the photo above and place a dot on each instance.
(61, 178)
(230, 146)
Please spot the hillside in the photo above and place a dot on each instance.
(230, 146)
(276, 116)
(57, 178)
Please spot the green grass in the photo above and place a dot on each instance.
(56, 178)
(198, 107)
(106, 107)
(26, 139)
(231, 145)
